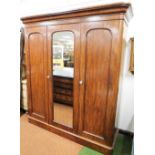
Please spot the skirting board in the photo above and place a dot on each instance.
(106, 150)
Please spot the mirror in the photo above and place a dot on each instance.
(63, 77)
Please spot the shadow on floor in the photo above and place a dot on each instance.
(22, 112)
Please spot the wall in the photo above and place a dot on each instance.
(125, 109)
(125, 112)
(31, 7)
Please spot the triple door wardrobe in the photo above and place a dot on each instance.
(73, 63)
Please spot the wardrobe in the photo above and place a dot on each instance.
(73, 67)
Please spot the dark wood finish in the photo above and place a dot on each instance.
(62, 98)
(95, 68)
(36, 49)
(100, 68)
(63, 90)
(99, 34)
(65, 80)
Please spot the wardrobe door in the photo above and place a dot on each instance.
(99, 72)
(63, 73)
(35, 52)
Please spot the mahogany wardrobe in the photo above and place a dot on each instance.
(74, 62)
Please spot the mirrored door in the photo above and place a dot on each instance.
(64, 45)
(63, 77)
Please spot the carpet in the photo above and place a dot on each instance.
(37, 141)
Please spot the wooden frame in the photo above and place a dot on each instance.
(75, 28)
(109, 20)
(131, 68)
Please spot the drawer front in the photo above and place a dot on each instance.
(64, 99)
(63, 85)
(63, 90)
(63, 79)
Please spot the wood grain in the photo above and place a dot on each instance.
(97, 45)
(87, 11)
(35, 71)
(98, 40)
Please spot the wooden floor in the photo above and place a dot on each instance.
(63, 114)
(37, 141)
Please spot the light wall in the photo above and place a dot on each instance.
(125, 109)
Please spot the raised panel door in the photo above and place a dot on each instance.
(99, 72)
(35, 51)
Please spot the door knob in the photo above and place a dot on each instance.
(81, 82)
(48, 76)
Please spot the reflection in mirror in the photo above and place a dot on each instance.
(63, 75)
